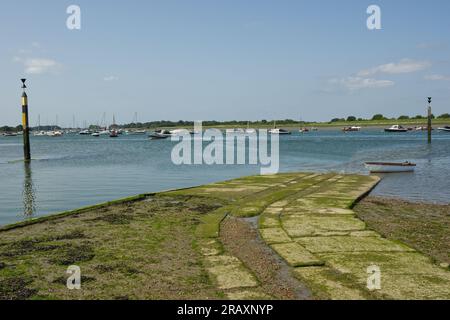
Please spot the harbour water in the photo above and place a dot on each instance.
(74, 171)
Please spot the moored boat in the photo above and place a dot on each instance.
(390, 167)
(104, 132)
(249, 130)
(160, 134)
(113, 134)
(10, 134)
(445, 129)
(396, 128)
(279, 131)
(352, 129)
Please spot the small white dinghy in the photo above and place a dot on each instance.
(390, 167)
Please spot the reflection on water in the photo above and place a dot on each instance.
(28, 193)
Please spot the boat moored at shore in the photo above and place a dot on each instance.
(390, 167)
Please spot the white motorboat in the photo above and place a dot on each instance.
(54, 133)
(10, 134)
(179, 132)
(104, 133)
(445, 129)
(352, 129)
(84, 132)
(95, 134)
(390, 167)
(160, 134)
(396, 128)
(39, 133)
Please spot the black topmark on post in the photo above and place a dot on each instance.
(25, 123)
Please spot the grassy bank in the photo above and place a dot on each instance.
(329, 125)
(289, 236)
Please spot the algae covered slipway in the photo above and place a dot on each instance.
(287, 236)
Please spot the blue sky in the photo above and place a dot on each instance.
(223, 60)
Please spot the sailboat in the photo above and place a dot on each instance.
(113, 133)
(249, 130)
(137, 131)
(39, 132)
(278, 131)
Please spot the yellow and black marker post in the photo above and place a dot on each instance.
(26, 128)
(430, 115)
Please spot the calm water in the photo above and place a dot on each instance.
(73, 171)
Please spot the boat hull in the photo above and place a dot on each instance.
(382, 167)
(158, 136)
(396, 130)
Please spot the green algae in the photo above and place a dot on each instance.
(312, 225)
(274, 235)
(296, 255)
(351, 244)
(229, 273)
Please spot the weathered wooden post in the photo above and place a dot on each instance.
(429, 120)
(25, 124)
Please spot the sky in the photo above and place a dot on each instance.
(222, 60)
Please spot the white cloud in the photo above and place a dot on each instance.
(40, 66)
(437, 77)
(111, 78)
(357, 83)
(404, 66)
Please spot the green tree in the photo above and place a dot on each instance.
(403, 118)
(378, 117)
(444, 116)
(351, 118)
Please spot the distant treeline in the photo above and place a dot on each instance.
(181, 123)
(235, 123)
(20, 128)
(380, 117)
